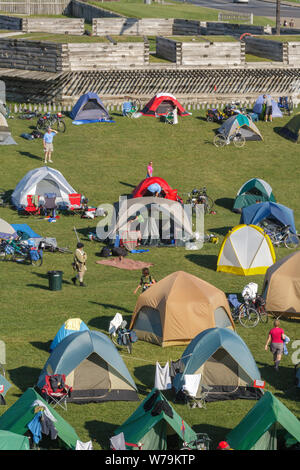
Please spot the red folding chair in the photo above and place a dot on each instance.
(56, 391)
(31, 208)
(75, 202)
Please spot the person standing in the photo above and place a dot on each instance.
(269, 107)
(48, 144)
(79, 264)
(276, 341)
(149, 170)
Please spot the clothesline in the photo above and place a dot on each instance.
(149, 362)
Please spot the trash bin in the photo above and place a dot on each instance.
(55, 280)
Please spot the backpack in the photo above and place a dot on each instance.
(105, 252)
(37, 134)
(27, 136)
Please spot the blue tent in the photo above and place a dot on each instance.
(93, 368)
(25, 229)
(73, 325)
(258, 107)
(89, 108)
(224, 362)
(255, 213)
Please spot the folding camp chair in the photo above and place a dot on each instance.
(31, 208)
(75, 202)
(56, 391)
(50, 204)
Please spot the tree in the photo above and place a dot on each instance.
(278, 17)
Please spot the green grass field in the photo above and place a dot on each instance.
(104, 161)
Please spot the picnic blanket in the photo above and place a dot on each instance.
(129, 264)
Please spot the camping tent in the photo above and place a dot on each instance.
(253, 190)
(5, 135)
(263, 425)
(292, 129)
(89, 107)
(73, 325)
(93, 368)
(225, 364)
(162, 104)
(281, 286)
(7, 230)
(152, 422)
(257, 213)
(175, 309)
(246, 250)
(165, 221)
(17, 417)
(12, 441)
(39, 182)
(241, 123)
(258, 107)
(142, 188)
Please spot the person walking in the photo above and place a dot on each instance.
(269, 108)
(79, 264)
(149, 170)
(276, 339)
(48, 144)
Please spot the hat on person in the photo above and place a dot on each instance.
(223, 445)
(80, 245)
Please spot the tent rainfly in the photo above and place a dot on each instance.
(7, 230)
(253, 191)
(12, 441)
(90, 108)
(225, 364)
(73, 325)
(142, 188)
(241, 123)
(175, 309)
(246, 250)
(151, 424)
(257, 213)
(258, 107)
(263, 425)
(93, 368)
(162, 104)
(292, 129)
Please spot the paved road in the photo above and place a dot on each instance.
(257, 7)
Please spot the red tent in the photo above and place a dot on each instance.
(170, 193)
(162, 104)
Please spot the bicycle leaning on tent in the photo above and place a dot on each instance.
(123, 337)
(282, 236)
(237, 138)
(250, 312)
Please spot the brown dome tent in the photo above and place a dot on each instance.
(281, 287)
(177, 308)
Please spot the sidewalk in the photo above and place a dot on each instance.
(289, 4)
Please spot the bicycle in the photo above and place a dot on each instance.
(54, 121)
(237, 138)
(247, 314)
(20, 253)
(122, 337)
(282, 236)
(202, 442)
(200, 196)
(131, 107)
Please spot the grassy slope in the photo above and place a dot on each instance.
(104, 161)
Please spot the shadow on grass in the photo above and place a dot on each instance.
(102, 323)
(145, 374)
(221, 230)
(24, 377)
(112, 306)
(45, 276)
(41, 346)
(206, 261)
(30, 155)
(100, 431)
(282, 380)
(226, 202)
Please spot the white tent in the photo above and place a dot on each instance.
(39, 182)
(246, 250)
(5, 135)
(6, 230)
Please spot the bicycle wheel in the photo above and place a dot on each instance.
(208, 204)
(290, 242)
(37, 262)
(42, 124)
(219, 140)
(248, 317)
(263, 315)
(60, 125)
(239, 140)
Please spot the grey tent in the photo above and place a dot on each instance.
(164, 221)
(89, 107)
(93, 368)
(225, 364)
(242, 124)
(5, 134)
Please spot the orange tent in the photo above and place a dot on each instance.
(177, 308)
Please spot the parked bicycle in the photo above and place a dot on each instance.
(200, 196)
(55, 121)
(202, 442)
(20, 252)
(282, 236)
(250, 312)
(237, 138)
(123, 337)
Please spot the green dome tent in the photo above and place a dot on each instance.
(12, 441)
(152, 422)
(262, 426)
(252, 191)
(292, 129)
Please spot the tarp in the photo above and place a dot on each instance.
(255, 213)
(150, 428)
(204, 346)
(175, 309)
(241, 123)
(161, 104)
(26, 229)
(40, 181)
(281, 286)
(89, 107)
(12, 441)
(260, 421)
(246, 250)
(72, 325)
(7, 230)
(258, 107)
(252, 191)
(17, 417)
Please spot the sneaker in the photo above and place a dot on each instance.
(50, 161)
(74, 280)
(82, 284)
